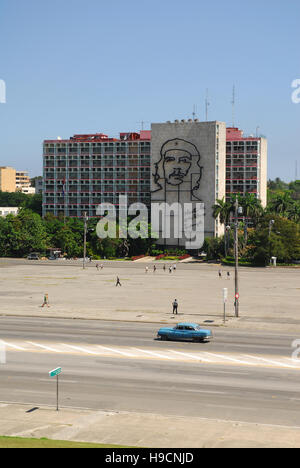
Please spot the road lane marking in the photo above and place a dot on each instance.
(229, 358)
(152, 353)
(158, 353)
(271, 361)
(10, 345)
(123, 353)
(198, 358)
(79, 348)
(47, 348)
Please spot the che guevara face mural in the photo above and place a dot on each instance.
(178, 166)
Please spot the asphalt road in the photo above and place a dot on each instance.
(140, 374)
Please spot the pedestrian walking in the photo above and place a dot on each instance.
(118, 283)
(228, 275)
(154, 269)
(175, 307)
(146, 269)
(97, 266)
(174, 268)
(164, 267)
(46, 301)
(220, 274)
(101, 266)
(170, 269)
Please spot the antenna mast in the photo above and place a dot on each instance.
(207, 104)
(233, 106)
(194, 111)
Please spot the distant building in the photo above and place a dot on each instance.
(39, 185)
(4, 211)
(15, 181)
(246, 165)
(7, 179)
(28, 190)
(22, 180)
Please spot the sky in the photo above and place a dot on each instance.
(92, 66)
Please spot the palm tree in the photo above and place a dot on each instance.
(293, 213)
(222, 210)
(252, 207)
(282, 203)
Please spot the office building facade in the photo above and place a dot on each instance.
(246, 165)
(88, 170)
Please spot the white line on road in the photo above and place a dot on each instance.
(152, 353)
(10, 345)
(270, 361)
(116, 351)
(229, 358)
(198, 358)
(79, 348)
(47, 348)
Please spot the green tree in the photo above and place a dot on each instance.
(222, 210)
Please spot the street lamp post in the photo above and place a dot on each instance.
(84, 239)
(227, 239)
(271, 224)
(238, 210)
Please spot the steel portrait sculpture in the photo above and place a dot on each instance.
(177, 209)
(178, 170)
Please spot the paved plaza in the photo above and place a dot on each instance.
(269, 297)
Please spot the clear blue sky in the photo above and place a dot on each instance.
(73, 66)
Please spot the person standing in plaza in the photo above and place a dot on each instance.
(118, 283)
(154, 269)
(146, 269)
(46, 301)
(175, 307)
(164, 267)
(220, 274)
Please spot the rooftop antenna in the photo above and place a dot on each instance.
(142, 123)
(233, 107)
(207, 104)
(194, 111)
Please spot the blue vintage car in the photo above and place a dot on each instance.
(185, 331)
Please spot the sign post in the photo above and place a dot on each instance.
(55, 373)
(225, 296)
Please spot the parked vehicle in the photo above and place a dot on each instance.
(33, 256)
(185, 331)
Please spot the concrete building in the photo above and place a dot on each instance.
(188, 167)
(86, 170)
(4, 211)
(22, 180)
(28, 190)
(39, 183)
(188, 162)
(246, 165)
(7, 179)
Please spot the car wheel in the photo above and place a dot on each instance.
(164, 338)
(198, 340)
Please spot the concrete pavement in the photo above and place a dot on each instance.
(141, 429)
(269, 297)
(269, 301)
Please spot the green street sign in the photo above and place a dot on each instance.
(55, 372)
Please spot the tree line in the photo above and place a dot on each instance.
(264, 232)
